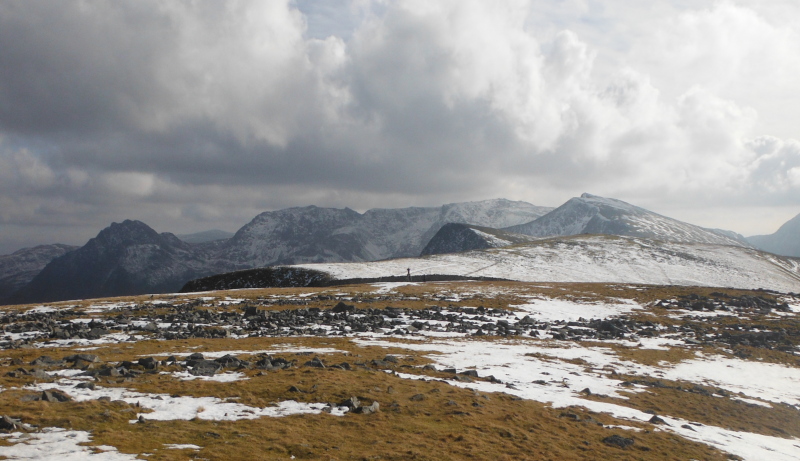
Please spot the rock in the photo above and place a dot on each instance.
(657, 420)
(196, 356)
(351, 403)
(316, 362)
(366, 410)
(47, 361)
(53, 396)
(417, 397)
(205, 368)
(618, 441)
(472, 373)
(90, 358)
(230, 361)
(39, 374)
(9, 424)
(342, 307)
(149, 363)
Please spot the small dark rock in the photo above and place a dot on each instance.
(618, 441)
(342, 307)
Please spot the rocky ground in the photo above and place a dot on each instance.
(569, 371)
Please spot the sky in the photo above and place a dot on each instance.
(197, 115)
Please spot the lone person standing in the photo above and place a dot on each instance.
(409, 274)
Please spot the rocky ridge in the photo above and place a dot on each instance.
(590, 214)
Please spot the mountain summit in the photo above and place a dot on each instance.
(590, 214)
(124, 259)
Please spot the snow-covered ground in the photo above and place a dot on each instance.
(545, 370)
(598, 259)
(545, 374)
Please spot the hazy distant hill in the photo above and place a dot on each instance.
(20, 267)
(205, 236)
(785, 241)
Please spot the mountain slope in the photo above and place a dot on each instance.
(785, 241)
(599, 258)
(125, 258)
(455, 238)
(20, 267)
(309, 234)
(590, 214)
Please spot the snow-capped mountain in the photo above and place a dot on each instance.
(785, 241)
(132, 258)
(597, 258)
(20, 267)
(590, 214)
(313, 234)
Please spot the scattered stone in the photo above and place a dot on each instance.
(316, 362)
(342, 307)
(351, 403)
(205, 368)
(148, 363)
(8, 424)
(54, 396)
(618, 441)
(657, 420)
(47, 361)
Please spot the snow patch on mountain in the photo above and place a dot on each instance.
(599, 258)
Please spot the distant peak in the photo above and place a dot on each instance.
(588, 195)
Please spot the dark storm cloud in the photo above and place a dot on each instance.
(214, 111)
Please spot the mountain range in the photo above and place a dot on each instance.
(131, 258)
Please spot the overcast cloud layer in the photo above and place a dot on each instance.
(195, 115)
